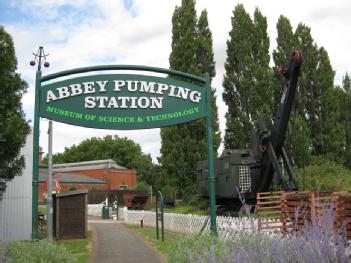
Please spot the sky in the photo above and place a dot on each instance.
(83, 33)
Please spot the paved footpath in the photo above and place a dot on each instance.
(114, 243)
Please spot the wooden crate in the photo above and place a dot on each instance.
(296, 209)
(269, 212)
(288, 212)
(343, 212)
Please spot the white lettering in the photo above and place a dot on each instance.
(89, 87)
(183, 93)
(143, 102)
(112, 103)
(147, 87)
(50, 96)
(130, 86)
(63, 92)
(75, 89)
(102, 100)
(124, 102)
(119, 84)
(156, 102)
(195, 96)
(102, 85)
(133, 103)
(90, 102)
(161, 88)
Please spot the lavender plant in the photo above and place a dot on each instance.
(316, 242)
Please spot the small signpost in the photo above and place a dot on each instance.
(122, 102)
(159, 215)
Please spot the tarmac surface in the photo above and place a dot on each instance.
(114, 243)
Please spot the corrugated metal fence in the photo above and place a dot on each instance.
(16, 203)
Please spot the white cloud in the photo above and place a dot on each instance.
(104, 32)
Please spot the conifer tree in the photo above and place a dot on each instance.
(345, 117)
(184, 144)
(238, 80)
(286, 43)
(298, 137)
(247, 80)
(328, 127)
(13, 126)
(263, 91)
(205, 57)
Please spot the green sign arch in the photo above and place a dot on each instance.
(122, 102)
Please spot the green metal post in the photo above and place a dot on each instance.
(162, 225)
(159, 196)
(35, 232)
(211, 177)
(157, 231)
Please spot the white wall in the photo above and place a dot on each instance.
(16, 203)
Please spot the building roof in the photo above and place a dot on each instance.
(88, 165)
(70, 193)
(70, 178)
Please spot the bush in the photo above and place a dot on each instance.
(323, 175)
(42, 251)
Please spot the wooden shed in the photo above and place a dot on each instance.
(70, 214)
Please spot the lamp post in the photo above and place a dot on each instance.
(39, 59)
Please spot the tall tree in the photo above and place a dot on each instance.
(185, 144)
(331, 131)
(205, 57)
(286, 43)
(238, 81)
(262, 73)
(344, 95)
(13, 126)
(247, 80)
(297, 143)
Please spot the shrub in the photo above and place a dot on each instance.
(42, 251)
(323, 175)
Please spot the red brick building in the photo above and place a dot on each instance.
(99, 174)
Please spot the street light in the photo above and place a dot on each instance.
(39, 59)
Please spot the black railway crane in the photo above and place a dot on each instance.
(244, 172)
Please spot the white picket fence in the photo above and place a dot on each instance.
(190, 224)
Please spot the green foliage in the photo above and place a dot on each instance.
(79, 249)
(195, 248)
(247, 80)
(184, 144)
(140, 185)
(123, 151)
(323, 175)
(344, 98)
(13, 125)
(205, 57)
(42, 251)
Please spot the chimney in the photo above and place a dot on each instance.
(40, 159)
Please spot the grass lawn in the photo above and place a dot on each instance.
(149, 234)
(80, 248)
